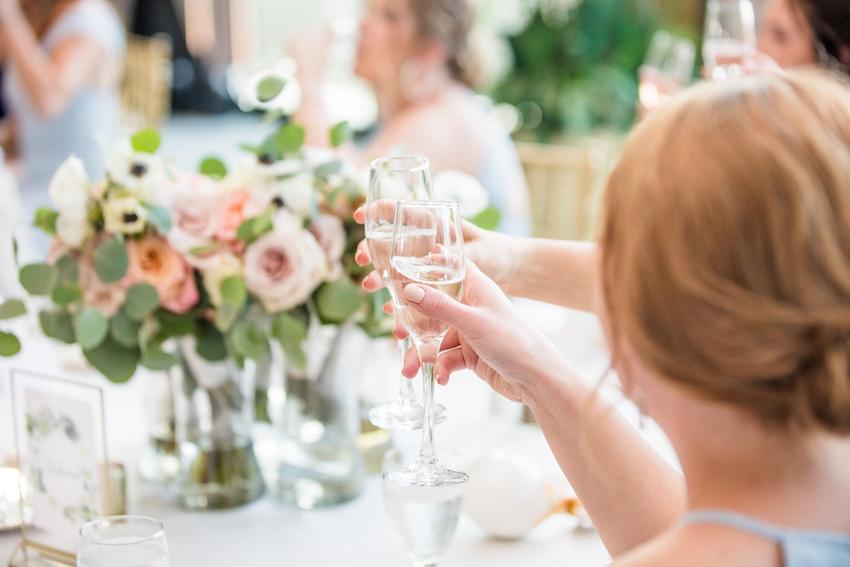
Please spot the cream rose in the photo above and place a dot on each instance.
(285, 266)
(299, 194)
(69, 188)
(219, 268)
(72, 230)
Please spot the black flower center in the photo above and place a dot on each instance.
(278, 202)
(265, 159)
(130, 217)
(138, 169)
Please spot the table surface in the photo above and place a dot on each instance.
(267, 533)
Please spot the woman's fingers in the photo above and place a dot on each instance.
(400, 332)
(389, 308)
(360, 215)
(411, 364)
(449, 361)
(373, 282)
(362, 256)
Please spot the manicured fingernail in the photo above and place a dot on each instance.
(414, 293)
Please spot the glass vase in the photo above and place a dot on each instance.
(315, 417)
(214, 409)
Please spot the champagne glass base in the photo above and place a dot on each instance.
(431, 475)
(403, 415)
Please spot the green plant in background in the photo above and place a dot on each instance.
(575, 66)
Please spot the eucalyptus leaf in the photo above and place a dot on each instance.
(38, 279)
(340, 134)
(210, 343)
(160, 218)
(328, 168)
(155, 358)
(124, 330)
(65, 293)
(145, 141)
(58, 325)
(339, 300)
(142, 299)
(291, 332)
(270, 88)
(233, 291)
(12, 308)
(488, 219)
(10, 345)
(68, 269)
(213, 167)
(174, 325)
(45, 219)
(116, 362)
(290, 138)
(249, 339)
(90, 328)
(111, 261)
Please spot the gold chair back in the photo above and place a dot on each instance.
(146, 87)
(564, 184)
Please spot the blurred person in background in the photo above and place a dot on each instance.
(796, 33)
(63, 62)
(416, 56)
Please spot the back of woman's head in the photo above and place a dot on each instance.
(830, 23)
(449, 22)
(726, 247)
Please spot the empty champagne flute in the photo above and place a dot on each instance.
(667, 69)
(394, 179)
(730, 37)
(130, 541)
(427, 250)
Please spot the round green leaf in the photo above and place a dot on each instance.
(66, 293)
(68, 269)
(38, 279)
(9, 344)
(45, 219)
(90, 328)
(211, 344)
(290, 332)
(249, 340)
(124, 329)
(146, 141)
(116, 362)
(160, 218)
(157, 359)
(339, 300)
(111, 261)
(488, 219)
(290, 138)
(142, 299)
(12, 308)
(233, 291)
(340, 134)
(269, 88)
(58, 325)
(213, 167)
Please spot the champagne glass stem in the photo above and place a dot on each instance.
(427, 452)
(405, 388)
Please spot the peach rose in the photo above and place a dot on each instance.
(154, 262)
(283, 267)
(231, 214)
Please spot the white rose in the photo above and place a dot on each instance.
(299, 194)
(141, 174)
(69, 188)
(330, 234)
(72, 230)
(124, 215)
(283, 267)
(463, 189)
(218, 268)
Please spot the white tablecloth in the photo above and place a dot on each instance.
(356, 534)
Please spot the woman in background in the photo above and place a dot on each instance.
(63, 62)
(416, 56)
(807, 32)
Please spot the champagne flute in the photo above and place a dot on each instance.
(730, 37)
(668, 68)
(427, 250)
(394, 179)
(123, 540)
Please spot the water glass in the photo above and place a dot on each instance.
(730, 37)
(128, 541)
(667, 69)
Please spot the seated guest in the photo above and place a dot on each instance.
(807, 32)
(63, 61)
(723, 284)
(415, 54)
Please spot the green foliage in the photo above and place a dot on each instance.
(38, 279)
(58, 325)
(289, 138)
(9, 344)
(253, 228)
(210, 343)
(488, 219)
(118, 363)
(145, 141)
(45, 219)
(68, 270)
(578, 73)
(160, 218)
(173, 325)
(269, 88)
(233, 295)
(155, 358)
(90, 328)
(65, 293)
(337, 301)
(111, 261)
(142, 300)
(213, 167)
(249, 339)
(340, 134)
(290, 332)
(124, 330)
(12, 308)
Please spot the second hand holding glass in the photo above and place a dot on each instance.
(427, 250)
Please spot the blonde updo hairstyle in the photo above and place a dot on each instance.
(726, 247)
(450, 23)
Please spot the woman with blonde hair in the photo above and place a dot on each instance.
(723, 284)
(416, 55)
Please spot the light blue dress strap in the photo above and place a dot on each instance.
(737, 521)
(94, 19)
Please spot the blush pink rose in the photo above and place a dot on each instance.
(330, 234)
(106, 298)
(154, 262)
(283, 267)
(231, 214)
(195, 212)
